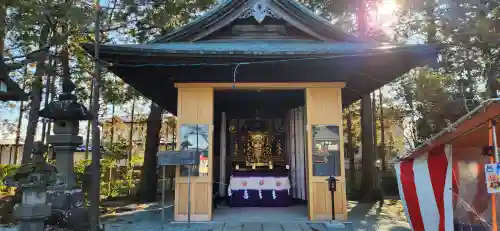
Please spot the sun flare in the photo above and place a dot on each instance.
(382, 17)
(387, 8)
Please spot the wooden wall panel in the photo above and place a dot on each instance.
(181, 201)
(324, 106)
(195, 106)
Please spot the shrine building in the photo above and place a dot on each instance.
(258, 86)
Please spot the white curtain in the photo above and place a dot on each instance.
(292, 152)
(296, 142)
(222, 165)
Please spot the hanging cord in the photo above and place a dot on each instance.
(234, 74)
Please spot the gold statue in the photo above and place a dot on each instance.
(258, 142)
(257, 153)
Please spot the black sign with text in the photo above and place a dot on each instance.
(184, 157)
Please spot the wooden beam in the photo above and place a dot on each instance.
(262, 85)
(13, 96)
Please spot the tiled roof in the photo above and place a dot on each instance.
(253, 47)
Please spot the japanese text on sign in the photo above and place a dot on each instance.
(493, 177)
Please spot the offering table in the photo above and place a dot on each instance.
(259, 189)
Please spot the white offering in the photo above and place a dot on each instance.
(237, 167)
(253, 166)
(287, 166)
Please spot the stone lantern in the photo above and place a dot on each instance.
(33, 179)
(67, 199)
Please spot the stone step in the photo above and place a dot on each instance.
(252, 227)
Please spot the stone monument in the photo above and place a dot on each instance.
(33, 179)
(67, 198)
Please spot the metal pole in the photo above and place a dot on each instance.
(494, 160)
(332, 187)
(189, 180)
(189, 197)
(333, 204)
(96, 140)
(163, 196)
(495, 145)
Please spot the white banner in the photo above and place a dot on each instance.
(256, 183)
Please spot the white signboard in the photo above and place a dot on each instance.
(492, 177)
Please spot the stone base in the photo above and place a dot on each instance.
(65, 199)
(68, 209)
(74, 219)
(36, 211)
(334, 225)
(32, 226)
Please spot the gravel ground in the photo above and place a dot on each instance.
(388, 217)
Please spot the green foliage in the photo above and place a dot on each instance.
(137, 160)
(118, 183)
(432, 99)
(428, 95)
(80, 170)
(114, 151)
(158, 17)
(5, 171)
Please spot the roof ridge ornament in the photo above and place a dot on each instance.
(259, 11)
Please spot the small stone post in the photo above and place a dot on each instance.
(33, 179)
(67, 198)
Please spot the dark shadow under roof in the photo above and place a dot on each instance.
(153, 68)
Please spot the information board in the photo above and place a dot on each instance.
(184, 157)
(493, 177)
(326, 150)
(194, 137)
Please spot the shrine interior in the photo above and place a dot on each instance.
(259, 136)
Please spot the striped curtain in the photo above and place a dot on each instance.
(425, 188)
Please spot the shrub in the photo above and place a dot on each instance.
(5, 171)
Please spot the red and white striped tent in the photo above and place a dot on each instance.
(442, 183)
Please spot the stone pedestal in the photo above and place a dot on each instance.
(34, 209)
(68, 209)
(67, 199)
(64, 142)
(33, 179)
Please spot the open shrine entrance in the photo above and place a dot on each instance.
(261, 149)
(260, 160)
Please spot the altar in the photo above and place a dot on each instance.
(259, 172)
(259, 189)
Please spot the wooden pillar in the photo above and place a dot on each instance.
(195, 106)
(324, 107)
